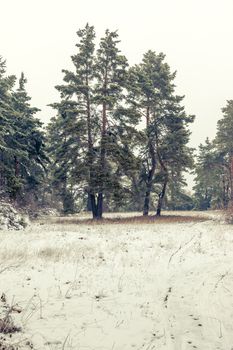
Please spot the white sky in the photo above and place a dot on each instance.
(39, 36)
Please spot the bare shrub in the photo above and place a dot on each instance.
(7, 325)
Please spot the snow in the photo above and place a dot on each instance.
(120, 287)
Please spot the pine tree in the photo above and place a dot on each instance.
(67, 150)
(172, 137)
(95, 124)
(166, 133)
(110, 72)
(212, 178)
(21, 140)
(30, 164)
(214, 168)
(224, 141)
(75, 121)
(7, 115)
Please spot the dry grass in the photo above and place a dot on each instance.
(7, 326)
(102, 284)
(167, 219)
(46, 239)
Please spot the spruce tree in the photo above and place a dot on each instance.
(30, 164)
(21, 141)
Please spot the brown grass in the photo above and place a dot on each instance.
(167, 219)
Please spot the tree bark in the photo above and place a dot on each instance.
(164, 168)
(100, 197)
(93, 205)
(150, 177)
(91, 195)
(161, 198)
(149, 183)
(99, 206)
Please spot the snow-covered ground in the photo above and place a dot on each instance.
(121, 286)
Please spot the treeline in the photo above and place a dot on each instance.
(118, 140)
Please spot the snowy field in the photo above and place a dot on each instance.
(142, 286)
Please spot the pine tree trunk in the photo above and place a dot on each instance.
(164, 168)
(148, 190)
(102, 163)
(93, 206)
(151, 172)
(99, 206)
(91, 196)
(161, 198)
(146, 203)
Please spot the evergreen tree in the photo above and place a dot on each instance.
(7, 115)
(224, 142)
(166, 131)
(214, 168)
(172, 137)
(212, 178)
(115, 120)
(67, 170)
(94, 122)
(30, 163)
(75, 122)
(21, 141)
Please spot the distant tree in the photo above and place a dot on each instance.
(224, 143)
(212, 178)
(214, 167)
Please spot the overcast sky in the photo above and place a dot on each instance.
(39, 36)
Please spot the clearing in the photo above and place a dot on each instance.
(166, 284)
